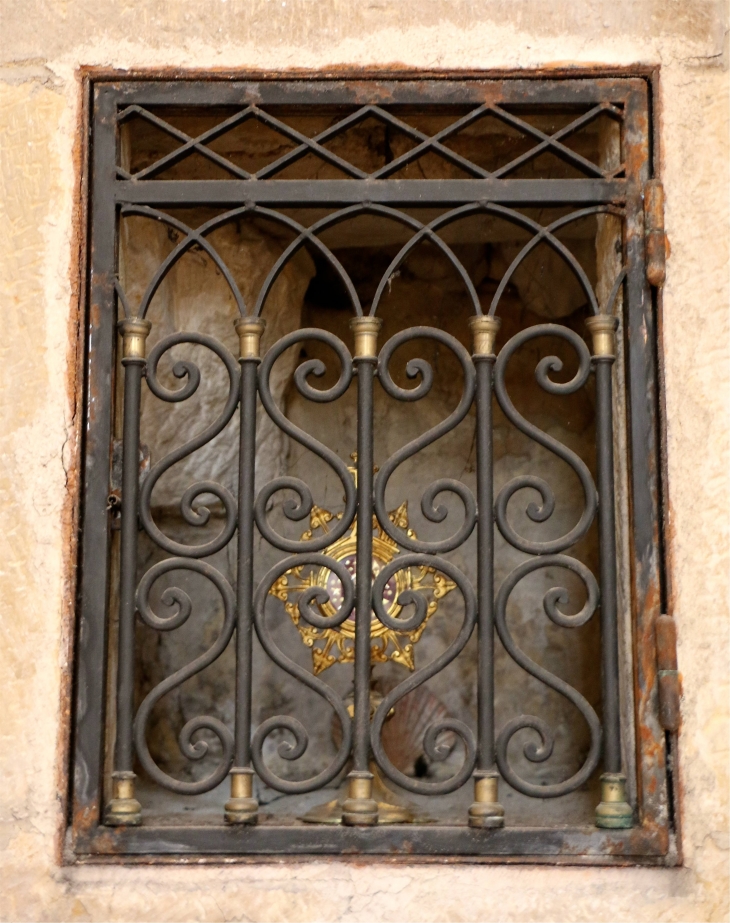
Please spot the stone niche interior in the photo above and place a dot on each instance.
(426, 290)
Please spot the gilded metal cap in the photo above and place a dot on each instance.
(484, 330)
(602, 328)
(486, 811)
(249, 330)
(242, 807)
(614, 812)
(360, 808)
(366, 331)
(135, 331)
(123, 810)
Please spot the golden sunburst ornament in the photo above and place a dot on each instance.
(337, 645)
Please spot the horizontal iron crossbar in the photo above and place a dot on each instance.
(391, 192)
(356, 92)
(527, 842)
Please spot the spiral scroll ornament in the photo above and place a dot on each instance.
(201, 515)
(177, 600)
(419, 368)
(542, 512)
(538, 753)
(310, 605)
(301, 507)
(419, 601)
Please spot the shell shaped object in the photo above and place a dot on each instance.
(403, 733)
(404, 730)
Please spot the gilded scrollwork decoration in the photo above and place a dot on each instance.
(330, 646)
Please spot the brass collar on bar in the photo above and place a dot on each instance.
(249, 330)
(135, 331)
(484, 330)
(602, 328)
(366, 336)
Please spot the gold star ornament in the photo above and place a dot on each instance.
(337, 645)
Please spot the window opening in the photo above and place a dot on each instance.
(363, 576)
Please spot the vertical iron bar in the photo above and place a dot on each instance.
(613, 810)
(485, 563)
(486, 810)
(360, 808)
(242, 807)
(124, 809)
(133, 369)
(361, 742)
(607, 553)
(245, 561)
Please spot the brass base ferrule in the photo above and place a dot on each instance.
(366, 331)
(249, 330)
(484, 329)
(360, 808)
(602, 328)
(614, 811)
(242, 807)
(123, 810)
(134, 333)
(486, 811)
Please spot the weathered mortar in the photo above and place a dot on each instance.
(39, 103)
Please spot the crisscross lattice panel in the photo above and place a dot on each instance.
(257, 142)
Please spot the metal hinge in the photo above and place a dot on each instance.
(667, 674)
(656, 241)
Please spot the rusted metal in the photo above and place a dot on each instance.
(599, 74)
(667, 674)
(674, 782)
(656, 246)
(646, 578)
(576, 845)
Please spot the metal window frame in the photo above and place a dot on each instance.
(90, 840)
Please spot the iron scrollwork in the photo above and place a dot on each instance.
(184, 369)
(538, 754)
(306, 553)
(299, 509)
(186, 559)
(425, 553)
(543, 512)
(309, 613)
(547, 555)
(416, 368)
(431, 746)
(174, 597)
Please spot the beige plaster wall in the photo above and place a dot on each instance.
(44, 42)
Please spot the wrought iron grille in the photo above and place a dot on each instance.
(361, 585)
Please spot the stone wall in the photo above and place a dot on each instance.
(40, 116)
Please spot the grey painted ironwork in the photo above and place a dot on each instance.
(260, 194)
